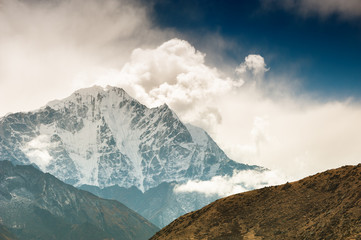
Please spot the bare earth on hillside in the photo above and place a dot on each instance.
(324, 206)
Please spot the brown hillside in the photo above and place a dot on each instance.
(324, 206)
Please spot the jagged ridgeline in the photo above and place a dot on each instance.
(104, 137)
(106, 142)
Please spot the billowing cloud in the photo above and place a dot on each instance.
(223, 186)
(253, 63)
(294, 135)
(324, 8)
(174, 73)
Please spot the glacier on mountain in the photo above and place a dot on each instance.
(103, 137)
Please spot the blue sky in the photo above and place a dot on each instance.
(322, 51)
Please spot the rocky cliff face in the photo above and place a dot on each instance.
(324, 206)
(34, 205)
(103, 137)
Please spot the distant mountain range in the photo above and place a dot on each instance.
(103, 137)
(34, 205)
(324, 206)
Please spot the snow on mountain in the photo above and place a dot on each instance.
(102, 136)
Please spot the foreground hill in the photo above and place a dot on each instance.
(34, 205)
(324, 206)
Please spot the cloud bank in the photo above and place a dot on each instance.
(46, 45)
(296, 136)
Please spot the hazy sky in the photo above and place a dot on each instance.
(275, 83)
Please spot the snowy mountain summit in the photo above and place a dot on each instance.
(103, 137)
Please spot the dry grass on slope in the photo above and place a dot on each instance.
(323, 206)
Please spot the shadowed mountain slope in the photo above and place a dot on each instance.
(160, 205)
(34, 205)
(323, 206)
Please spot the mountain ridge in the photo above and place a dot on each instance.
(102, 136)
(323, 206)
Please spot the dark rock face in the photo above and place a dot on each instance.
(324, 206)
(34, 205)
(103, 137)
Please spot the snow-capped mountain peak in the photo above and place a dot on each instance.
(102, 136)
(90, 93)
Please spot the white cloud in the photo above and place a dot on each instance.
(324, 8)
(174, 73)
(252, 70)
(294, 135)
(226, 185)
(300, 137)
(259, 131)
(253, 63)
(37, 151)
(44, 45)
